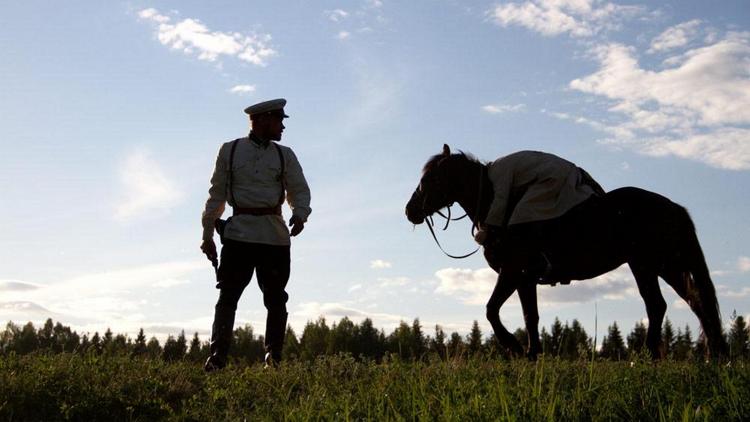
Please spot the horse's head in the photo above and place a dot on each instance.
(435, 190)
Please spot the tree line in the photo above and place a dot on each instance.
(365, 342)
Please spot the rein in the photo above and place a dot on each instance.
(428, 220)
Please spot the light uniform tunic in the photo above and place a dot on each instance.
(256, 183)
(545, 186)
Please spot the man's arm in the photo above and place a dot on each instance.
(501, 177)
(298, 194)
(215, 204)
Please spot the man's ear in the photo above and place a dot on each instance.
(446, 150)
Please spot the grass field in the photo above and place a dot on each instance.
(66, 386)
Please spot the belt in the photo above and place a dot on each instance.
(257, 211)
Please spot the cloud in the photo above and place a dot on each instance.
(99, 297)
(15, 286)
(503, 108)
(474, 287)
(147, 189)
(743, 264)
(379, 264)
(741, 293)
(577, 18)
(354, 288)
(24, 307)
(334, 311)
(393, 282)
(676, 36)
(193, 37)
(696, 109)
(242, 89)
(342, 35)
(336, 15)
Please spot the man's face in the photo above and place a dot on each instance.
(269, 126)
(275, 127)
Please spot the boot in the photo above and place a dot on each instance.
(221, 338)
(275, 331)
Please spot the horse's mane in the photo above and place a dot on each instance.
(436, 159)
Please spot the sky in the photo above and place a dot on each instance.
(111, 115)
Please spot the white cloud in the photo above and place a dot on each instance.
(342, 35)
(393, 282)
(242, 89)
(16, 285)
(334, 311)
(97, 298)
(191, 36)
(743, 264)
(578, 18)
(379, 264)
(474, 287)
(336, 15)
(354, 288)
(146, 188)
(725, 292)
(503, 108)
(676, 36)
(694, 110)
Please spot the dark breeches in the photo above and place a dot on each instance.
(239, 260)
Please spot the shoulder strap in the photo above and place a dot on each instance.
(283, 174)
(229, 177)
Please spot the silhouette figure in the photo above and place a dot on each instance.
(254, 175)
(542, 220)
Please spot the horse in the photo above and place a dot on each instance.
(653, 235)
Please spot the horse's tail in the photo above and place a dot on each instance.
(699, 285)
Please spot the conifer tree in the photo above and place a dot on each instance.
(291, 349)
(153, 348)
(474, 339)
(667, 337)
(437, 345)
(456, 346)
(612, 345)
(194, 353)
(637, 339)
(139, 349)
(738, 338)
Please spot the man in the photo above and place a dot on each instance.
(254, 175)
(533, 192)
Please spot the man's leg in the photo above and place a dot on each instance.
(235, 273)
(273, 274)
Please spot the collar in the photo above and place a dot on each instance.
(257, 140)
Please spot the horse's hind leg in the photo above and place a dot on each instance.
(683, 284)
(648, 286)
(504, 287)
(527, 294)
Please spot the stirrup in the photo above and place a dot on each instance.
(270, 362)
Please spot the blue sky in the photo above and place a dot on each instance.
(111, 115)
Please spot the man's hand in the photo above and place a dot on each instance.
(297, 225)
(209, 248)
(487, 234)
(480, 236)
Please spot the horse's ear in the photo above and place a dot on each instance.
(446, 150)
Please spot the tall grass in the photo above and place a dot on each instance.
(60, 387)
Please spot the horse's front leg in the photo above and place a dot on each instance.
(527, 295)
(504, 287)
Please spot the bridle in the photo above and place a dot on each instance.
(428, 219)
